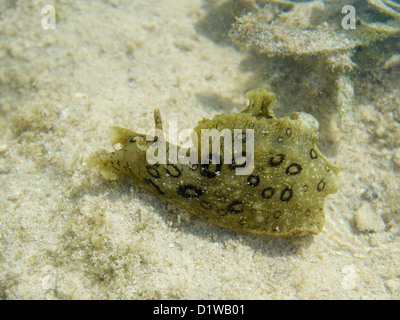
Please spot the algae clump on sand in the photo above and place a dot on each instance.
(313, 30)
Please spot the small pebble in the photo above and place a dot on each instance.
(367, 220)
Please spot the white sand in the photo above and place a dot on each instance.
(65, 233)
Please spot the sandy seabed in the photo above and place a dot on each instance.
(66, 233)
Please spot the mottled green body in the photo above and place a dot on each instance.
(283, 196)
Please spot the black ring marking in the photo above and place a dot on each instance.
(204, 170)
(234, 165)
(321, 185)
(313, 154)
(189, 191)
(156, 187)
(235, 207)
(286, 194)
(153, 172)
(273, 162)
(205, 205)
(268, 193)
(293, 169)
(277, 214)
(253, 181)
(175, 172)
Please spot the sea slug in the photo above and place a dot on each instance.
(283, 195)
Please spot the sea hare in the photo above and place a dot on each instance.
(283, 194)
